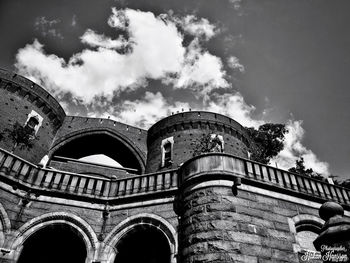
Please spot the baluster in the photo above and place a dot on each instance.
(121, 187)
(249, 169)
(82, 186)
(272, 175)
(98, 187)
(90, 185)
(287, 181)
(159, 181)
(144, 181)
(66, 182)
(174, 179)
(320, 188)
(257, 173)
(264, 173)
(308, 185)
(327, 192)
(137, 185)
(40, 178)
(280, 178)
(113, 188)
(2, 158)
(46, 182)
(346, 194)
(107, 187)
(16, 168)
(314, 187)
(24, 172)
(167, 180)
(73, 183)
(293, 181)
(150, 186)
(335, 197)
(8, 162)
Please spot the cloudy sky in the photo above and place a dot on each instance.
(137, 61)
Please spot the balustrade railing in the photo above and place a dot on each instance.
(228, 165)
(296, 182)
(17, 170)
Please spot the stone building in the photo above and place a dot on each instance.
(162, 206)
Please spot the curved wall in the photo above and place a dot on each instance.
(186, 128)
(19, 97)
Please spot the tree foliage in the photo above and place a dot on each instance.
(268, 141)
(21, 136)
(301, 169)
(207, 143)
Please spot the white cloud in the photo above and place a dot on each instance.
(143, 112)
(202, 71)
(74, 21)
(97, 40)
(47, 27)
(156, 52)
(233, 63)
(293, 149)
(199, 27)
(236, 4)
(234, 106)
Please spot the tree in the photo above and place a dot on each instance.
(301, 169)
(22, 136)
(207, 143)
(268, 141)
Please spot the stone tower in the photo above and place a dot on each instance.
(161, 205)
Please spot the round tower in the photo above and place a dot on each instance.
(172, 140)
(29, 117)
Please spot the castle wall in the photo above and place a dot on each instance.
(186, 129)
(254, 226)
(18, 98)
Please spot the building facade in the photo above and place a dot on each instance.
(162, 206)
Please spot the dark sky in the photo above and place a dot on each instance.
(295, 53)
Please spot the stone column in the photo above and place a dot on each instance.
(206, 217)
(334, 239)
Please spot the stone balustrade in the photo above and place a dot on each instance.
(22, 174)
(264, 176)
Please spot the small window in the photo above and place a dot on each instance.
(167, 152)
(217, 143)
(33, 122)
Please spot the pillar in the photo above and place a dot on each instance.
(334, 239)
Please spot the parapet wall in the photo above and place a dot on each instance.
(186, 128)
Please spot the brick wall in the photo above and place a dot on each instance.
(186, 128)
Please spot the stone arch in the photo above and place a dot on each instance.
(303, 221)
(5, 224)
(306, 227)
(130, 150)
(108, 251)
(84, 230)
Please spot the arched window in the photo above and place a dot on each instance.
(167, 151)
(306, 233)
(33, 122)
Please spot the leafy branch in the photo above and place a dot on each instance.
(21, 136)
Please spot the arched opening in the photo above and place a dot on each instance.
(143, 243)
(103, 145)
(307, 230)
(54, 243)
